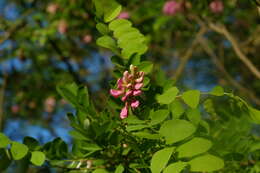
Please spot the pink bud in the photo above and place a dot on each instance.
(171, 7)
(87, 38)
(119, 83)
(124, 112)
(116, 93)
(138, 86)
(124, 98)
(137, 92)
(123, 15)
(216, 6)
(140, 79)
(125, 76)
(135, 104)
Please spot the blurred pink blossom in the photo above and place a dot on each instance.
(216, 6)
(87, 38)
(49, 104)
(172, 7)
(52, 8)
(15, 109)
(123, 15)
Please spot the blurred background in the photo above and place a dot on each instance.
(44, 43)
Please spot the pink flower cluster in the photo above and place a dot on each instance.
(216, 6)
(129, 86)
(172, 7)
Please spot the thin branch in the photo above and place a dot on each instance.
(65, 59)
(188, 54)
(222, 30)
(2, 96)
(204, 43)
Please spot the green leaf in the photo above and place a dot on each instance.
(217, 91)
(77, 135)
(206, 163)
(119, 23)
(68, 92)
(91, 147)
(133, 120)
(191, 98)
(100, 170)
(133, 47)
(83, 96)
(176, 130)
(120, 169)
(176, 108)
(146, 135)
(254, 114)
(111, 10)
(175, 167)
(136, 127)
(5, 160)
(5, 141)
(160, 159)
(205, 125)
(158, 116)
(37, 158)
(107, 42)
(255, 146)
(194, 116)
(102, 28)
(145, 66)
(31, 143)
(18, 150)
(168, 96)
(194, 147)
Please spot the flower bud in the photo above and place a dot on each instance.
(137, 92)
(116, 93)
(138, 86)
(135, 104)
(124, 112)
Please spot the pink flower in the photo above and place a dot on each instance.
(123, 15)
(135, 104)
(129, 86)
(216, 6)
(124, 112)
(171, 7)
(116, 93)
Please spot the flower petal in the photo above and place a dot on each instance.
(137, 92)
(116, 93)
(124, 112)
(138, 86)
(135, 104)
